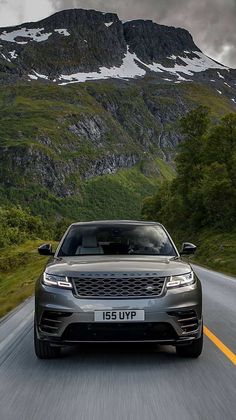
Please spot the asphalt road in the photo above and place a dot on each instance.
(119, 381)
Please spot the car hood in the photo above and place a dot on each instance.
(160, 266)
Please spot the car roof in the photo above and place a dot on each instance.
(116, 222)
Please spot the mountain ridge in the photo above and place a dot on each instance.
(76, 45)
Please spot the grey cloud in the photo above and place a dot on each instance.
(12, 9)
(211, 22)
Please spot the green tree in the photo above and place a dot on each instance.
(218, 196)
(17, 225)
(203, 194)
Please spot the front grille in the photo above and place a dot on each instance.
(136, 331)
(187, 319)
(117, 286)
(51, 320)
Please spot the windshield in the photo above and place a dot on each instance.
(116, 240)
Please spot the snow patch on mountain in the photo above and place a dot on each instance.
(32, 77)
(133, 67)
(13, 54)
(181, 78)
(41, 76)
(37, 35)
(62, 32)
(129, 69)
(37, 76)
(5, 58)
(220, 75)
(189, 66)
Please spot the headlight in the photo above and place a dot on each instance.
(56, 281)
(182, 280)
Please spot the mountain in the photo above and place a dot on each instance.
(79, 45)
(89, 110)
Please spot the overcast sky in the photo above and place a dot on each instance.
(211, 22)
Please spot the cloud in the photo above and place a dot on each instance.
(211, 22)
(15, 12)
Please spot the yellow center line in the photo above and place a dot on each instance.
(227, 352)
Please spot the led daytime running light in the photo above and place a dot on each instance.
(56, 281)
(181, 280)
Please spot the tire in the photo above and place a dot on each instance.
(43, 350)
(192, 350)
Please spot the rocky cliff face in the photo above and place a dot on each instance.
(155, 43)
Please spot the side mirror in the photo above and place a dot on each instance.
(188, 249)
(45, 249)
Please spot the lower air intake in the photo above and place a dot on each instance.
(188, 320)
(119, 332)
(51, 320)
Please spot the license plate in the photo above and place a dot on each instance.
(119, 316)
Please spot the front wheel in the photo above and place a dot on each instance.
(191, 350)
(43, 350)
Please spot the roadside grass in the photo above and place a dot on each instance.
(217, 251)
(20, 266)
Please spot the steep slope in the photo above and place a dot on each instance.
(56, 141)
(84, 150)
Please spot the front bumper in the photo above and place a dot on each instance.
(63, 319)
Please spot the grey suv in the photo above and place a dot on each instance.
(117, 281)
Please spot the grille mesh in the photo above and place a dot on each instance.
(118, 286)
